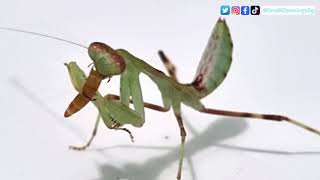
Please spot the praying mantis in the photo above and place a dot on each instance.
(212, 70)
(114, 110)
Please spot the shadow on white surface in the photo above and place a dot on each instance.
(153, 167)
(27, 92)
(214, 135)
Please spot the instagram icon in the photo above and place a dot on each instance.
(235, 10)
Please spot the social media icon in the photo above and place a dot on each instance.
(255, 10)
(224, 10)
(235, 10)
(245, 10)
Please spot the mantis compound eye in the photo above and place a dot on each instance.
(106, 60)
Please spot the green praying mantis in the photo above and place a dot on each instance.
(114, 110)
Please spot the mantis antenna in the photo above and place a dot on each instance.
(43, 35)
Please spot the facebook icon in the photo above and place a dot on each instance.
(245, 10)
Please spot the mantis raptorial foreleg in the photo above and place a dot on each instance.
(108, 67)
(94, 133)
(172, 72)
(114, 114)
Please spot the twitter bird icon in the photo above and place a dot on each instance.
(224, 10)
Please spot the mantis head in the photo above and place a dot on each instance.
(106, 60)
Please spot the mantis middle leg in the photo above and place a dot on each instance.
(94, 133)
(168, 65)
(183, 134)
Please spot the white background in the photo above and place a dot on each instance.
(275, 70)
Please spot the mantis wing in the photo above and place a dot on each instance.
(215, 61)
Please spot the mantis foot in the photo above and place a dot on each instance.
(129, 132)
(79, 148)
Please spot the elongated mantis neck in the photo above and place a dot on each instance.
(143, 67)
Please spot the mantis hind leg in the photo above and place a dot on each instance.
(94, 133)
(168, 64)
(270, 117)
